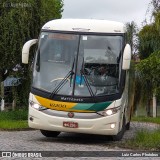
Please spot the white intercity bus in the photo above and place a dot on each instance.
(80, 78)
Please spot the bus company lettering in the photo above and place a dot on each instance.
(71, 99)
(58, 105)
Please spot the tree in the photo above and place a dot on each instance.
(156, 6)
(149, 48)
(149, 40)
(149, 36)
(149, 73)
(132, 37)
(20, 21)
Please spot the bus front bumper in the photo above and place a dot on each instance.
(108, 125)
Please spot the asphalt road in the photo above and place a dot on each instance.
(33, 140)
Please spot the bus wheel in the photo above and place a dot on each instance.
(119, 136)
(50, 133)
(128, 126)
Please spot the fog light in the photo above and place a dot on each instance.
(113, 125)
(31, 118)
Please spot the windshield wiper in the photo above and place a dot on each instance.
(64, 81)
(86, 81)
(72, 72)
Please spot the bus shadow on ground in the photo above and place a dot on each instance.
(79, 138)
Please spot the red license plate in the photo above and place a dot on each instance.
(70, 124)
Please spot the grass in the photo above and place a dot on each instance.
(147, 119)
(145, 140)
(14, 120)
(13, 125)
(14, 115)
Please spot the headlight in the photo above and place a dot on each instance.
(109, 112)
(37, 106)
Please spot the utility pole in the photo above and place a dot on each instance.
(2, 96)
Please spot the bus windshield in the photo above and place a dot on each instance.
(78, 65)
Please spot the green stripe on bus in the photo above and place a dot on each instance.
(99, 106)
(92, 106)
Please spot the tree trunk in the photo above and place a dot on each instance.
(148, 108)
(2, 105)
(2, 96)
(154, 106)
(13, 105)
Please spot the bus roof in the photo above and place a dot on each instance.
(85, 25)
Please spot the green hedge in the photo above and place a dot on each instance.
(14, 115)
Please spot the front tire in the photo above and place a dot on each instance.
(50, 133)
(119, 136)
(128, 126)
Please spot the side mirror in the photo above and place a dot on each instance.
(26, 48)
(126, 57)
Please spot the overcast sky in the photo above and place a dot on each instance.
(116, 10)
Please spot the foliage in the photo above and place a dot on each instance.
(14, 120)
(156, 6)
(149, 40)
(21, 20)
(132, 38)
(13, 125)
(149, 72)
(14, 115)
(146, 119)
(145, 140)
